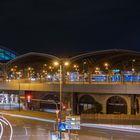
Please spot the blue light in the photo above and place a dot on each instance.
(6, 55)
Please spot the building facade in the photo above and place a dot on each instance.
(96, 82)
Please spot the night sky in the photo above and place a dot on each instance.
(67, 27)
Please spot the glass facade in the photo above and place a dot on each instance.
(6, 55)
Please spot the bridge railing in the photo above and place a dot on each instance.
(69, 82)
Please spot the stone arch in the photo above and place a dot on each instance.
(116, 105)
(87, 102)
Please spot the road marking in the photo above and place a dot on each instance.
(11, 128)
(4, 121)
(26, 131)
(129, 135)
(27, 127)
(1, 130)
(116, 128)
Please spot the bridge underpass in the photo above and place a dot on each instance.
(131, 92)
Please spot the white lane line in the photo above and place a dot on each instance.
(3, 121)
(11, 128)
(26, 131)
(133, 130)
(28, 117)
(1, 133)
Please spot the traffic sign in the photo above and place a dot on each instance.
(62, 126)
(73, 122)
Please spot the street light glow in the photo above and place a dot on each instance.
(66, 63)
(75, 66)
(106, 64)
(97, 68)
(56, 63)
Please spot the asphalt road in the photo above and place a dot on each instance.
(25, 129)
(102, 134)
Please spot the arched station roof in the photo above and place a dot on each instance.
(32, 58)
(115, 57)
(6, 54)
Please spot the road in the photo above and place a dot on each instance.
(26, 129)
(102, 134)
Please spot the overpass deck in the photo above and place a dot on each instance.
(82, 87)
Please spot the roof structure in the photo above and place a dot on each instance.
(116, 58)
(6, 54)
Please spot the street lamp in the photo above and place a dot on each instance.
(61, 64)
(107, 65)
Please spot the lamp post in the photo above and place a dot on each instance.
(108, 70)
(61, 64)
(19, 97)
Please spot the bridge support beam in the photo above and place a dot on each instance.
(133, 104)
(75, 103)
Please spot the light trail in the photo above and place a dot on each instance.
(28, 117)
(2, 121)
(26, 131)
(11, 128)
(1, 133)
(113, 127)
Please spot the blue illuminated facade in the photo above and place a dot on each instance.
(6, 55)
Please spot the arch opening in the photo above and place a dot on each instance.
(87, 104)
(116, 105)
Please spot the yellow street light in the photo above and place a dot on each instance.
(84, 62)
(133, 60)
(45, 65)
(12, 69)
(29, 68)
(61, 72)
(56, 63)
(97, 68)
(75, 66)
(66, 63)
(106, 64)
(133, 69)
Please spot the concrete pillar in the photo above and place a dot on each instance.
(75, 103)
(128, 105)
(139, 104)
(133, 104)
(104, 108)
